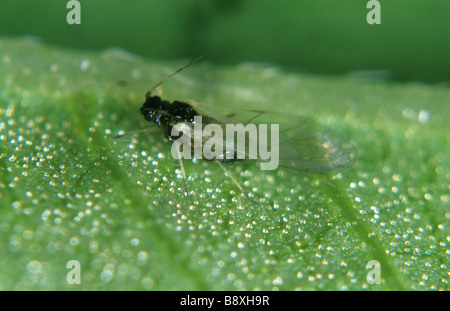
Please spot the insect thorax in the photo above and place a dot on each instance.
(166, 114)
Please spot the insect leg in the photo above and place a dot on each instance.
(183, 171)
(235, 181)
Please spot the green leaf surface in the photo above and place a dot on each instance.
(71, 192)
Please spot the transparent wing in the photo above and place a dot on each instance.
(304, 144)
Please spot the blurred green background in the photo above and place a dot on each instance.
(322, 36)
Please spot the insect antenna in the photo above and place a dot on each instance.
(174, 73)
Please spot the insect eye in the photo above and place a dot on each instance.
(151, 105)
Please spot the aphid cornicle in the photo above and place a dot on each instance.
(304, 145)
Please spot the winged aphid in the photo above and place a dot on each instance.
(303, 144)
